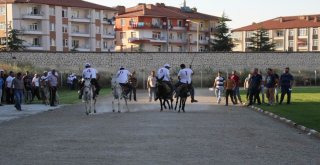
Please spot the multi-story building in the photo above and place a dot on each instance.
(153, 28)
(292, 33)
(59, 25)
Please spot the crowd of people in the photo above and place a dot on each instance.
(256, 84)
(19, 87)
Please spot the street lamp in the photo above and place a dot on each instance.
(315, 77)
(198, 24)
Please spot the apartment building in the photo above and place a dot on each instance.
(161, 28)
(292, 33)
(59, 25)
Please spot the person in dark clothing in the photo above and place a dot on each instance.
(270, 86)
(134, 84)
(286, 82)
(254, 87)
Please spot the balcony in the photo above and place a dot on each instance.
(110, 48)
(138, 40)
(108, 21)
(80, 34)
(109, 35)
(84, 48)
(203, 42)
(31, 31)
(177, 41)
(86, 19)
(31, 46)
(178, 28)
(201, 29)
(146, 25)
(33, 15)
(159, 40)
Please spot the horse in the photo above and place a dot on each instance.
(88, 97)
(164, 94)
(118, 95)
(183, 95)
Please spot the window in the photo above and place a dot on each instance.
(36, 42)
(33, 27)
(291, 32)
(315, 31)
(290, 44)
(75, 14)
(169, 22)
(179, 36)
(65, 42)
(98, 44)
(2, 25)
(157, 48)
(75, 43)
(64, 13)
(123, 35)
(315, 42)
(97, 15)
(249, 34)
(123, 22)
(133, 35)
(52, 11)
(2, 10)
(180, 23)
(248, 44)
(35, 11)
(52, 27)
(155, 22)
(180, 48)
(201, 49)
(156, 35)
(303, 32)
(171, 36)
(98, 29)
(105, 44)
(75, 28)
(201, 24)
(52, 42)
(64, 28)
(279, 33)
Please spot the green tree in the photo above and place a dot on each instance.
(14, 42)
(260, 41)
(222, 38)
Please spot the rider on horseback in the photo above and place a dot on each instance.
(184, 77)
(164, 74)
(90, 73)
(123, 80)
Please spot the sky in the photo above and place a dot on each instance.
(241, 12)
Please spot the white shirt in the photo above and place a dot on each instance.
(89, 73)
(123, 76)
(9, 81)
(185, 75)
(152, 81)
(219, 82)
(164, 72)
(36, 81)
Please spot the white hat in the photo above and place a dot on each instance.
(166, 65)
(87, 65)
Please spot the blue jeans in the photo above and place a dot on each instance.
(18, 95)
(236, 95)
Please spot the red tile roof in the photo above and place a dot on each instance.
(164, 11)
(288, 22)
(66, 3)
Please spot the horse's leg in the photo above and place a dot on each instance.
(169, 107)
(126, 104)
(113, 104)
(184, 103)
(175, 108)
(119, 110)
(94, 105)
(161, 105)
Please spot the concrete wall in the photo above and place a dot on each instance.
(110, 62)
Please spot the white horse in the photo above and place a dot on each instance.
(118, 96)
(88, 96)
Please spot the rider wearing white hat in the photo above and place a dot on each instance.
(123, 79)
(90, 73)
(164, 74)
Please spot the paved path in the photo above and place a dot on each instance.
(206, 134)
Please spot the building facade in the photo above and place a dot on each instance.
(56, 25)
(161, 28)
(293, 33)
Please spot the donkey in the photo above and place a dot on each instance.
(118, 95)
(88, 96)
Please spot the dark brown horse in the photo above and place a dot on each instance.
(183, 95)
(164, 94)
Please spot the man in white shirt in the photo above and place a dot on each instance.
(164, 74)
(9, 94)
(123, 79)
(90, 73)
(184, 77)
(219, 87)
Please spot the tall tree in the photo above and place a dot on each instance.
(260, 41)
(14, 42)
(222, 38)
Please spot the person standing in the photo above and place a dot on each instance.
(262, 91)
(277, 90)
(53, 85)
(36, 87)
(286, 82)
(18, 85)
(9, 88)
(44, 89)
(254, 87)
(1, 86)
(134, 84)
(27, 79)
(236, 95)
(151, 85)
(270, 86)
(70, 81)
(229, 86)
(246, 85)
(218, 85)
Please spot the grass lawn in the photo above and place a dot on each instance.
(67, 96)
(305, 107)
